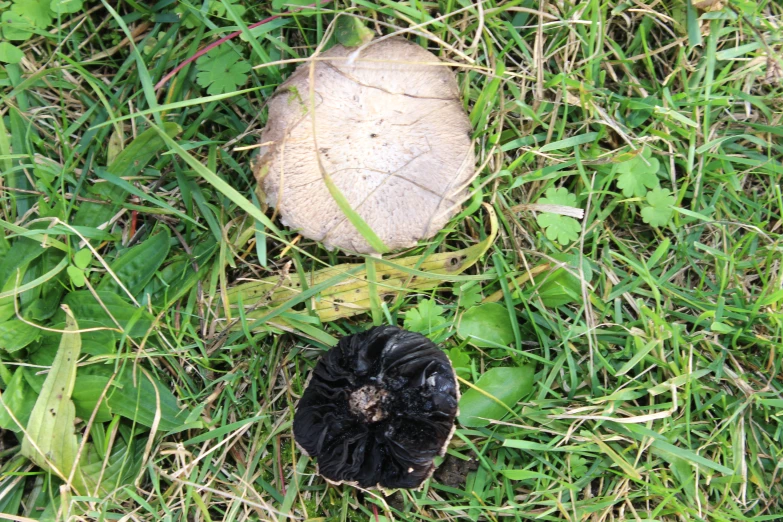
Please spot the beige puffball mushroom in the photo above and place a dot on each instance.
(390, 132)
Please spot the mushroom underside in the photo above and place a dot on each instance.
(378, 409)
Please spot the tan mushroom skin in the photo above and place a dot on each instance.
(390, 132)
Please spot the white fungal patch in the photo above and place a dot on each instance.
(367, 403)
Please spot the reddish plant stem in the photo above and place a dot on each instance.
(133, 223)
(204, 50)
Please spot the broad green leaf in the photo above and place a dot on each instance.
(86, 394)
(135, 322)
(98, 342)
(137, 266)
(661, 208)
(9, 53)
(120, 469)
(487, 326)
(16, 334)
(51, 290)
(19, 398)
(129, 162)
(469, 294)
(562, 286)
(51, 441)
(172, 282)
(12, 266)
(502, 388)
(141, 398)
(351, 32)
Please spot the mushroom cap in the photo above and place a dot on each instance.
(379, 407)
(391, 133)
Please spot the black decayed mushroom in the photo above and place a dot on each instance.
(389, 130)
(379, 407)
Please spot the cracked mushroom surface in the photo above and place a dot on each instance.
(389, 130)
(379, 407)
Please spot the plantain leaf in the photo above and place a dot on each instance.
(135, 322)
(136, 266)
(50, 441)
(17, 399)
(16, 334)
(104, 477)
(140, 399)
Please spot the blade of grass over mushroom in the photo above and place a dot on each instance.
(356, 220)
(372, 290)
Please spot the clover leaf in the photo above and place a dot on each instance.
(217, 8)
(425, 317)
(10, 53)
(637, 174)
(15, 26)
(459, 360)
(37, 11)
(220, 71)
(563, 229)
(659, 212)
(65, 6)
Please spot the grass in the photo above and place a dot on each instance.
(654, 329)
